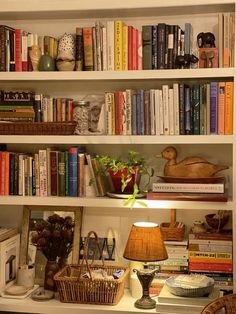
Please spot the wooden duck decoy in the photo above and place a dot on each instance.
(193, 166)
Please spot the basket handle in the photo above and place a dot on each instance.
(172, 217)
(85, 251)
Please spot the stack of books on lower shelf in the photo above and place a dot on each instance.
(177, 263)
(211, 254)
(190, 191)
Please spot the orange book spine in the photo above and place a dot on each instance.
(229, 100)
(210, 260)
(2, 174)
(221, 108)
(88, 48)
(118, 45)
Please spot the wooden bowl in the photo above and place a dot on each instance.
(216, 223)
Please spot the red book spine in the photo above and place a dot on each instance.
(130, 47)
(18, 46)
(135, 49)
(2, 167)
(217, 267)
(7, 173)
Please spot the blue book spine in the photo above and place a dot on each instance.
(73, 171)
(213, 107)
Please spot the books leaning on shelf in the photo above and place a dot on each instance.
(174, 196)
(188, 187)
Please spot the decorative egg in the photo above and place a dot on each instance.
(66, 47)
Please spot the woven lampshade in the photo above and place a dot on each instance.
(145, 243)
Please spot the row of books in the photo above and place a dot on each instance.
(15, 46)
(180, 109)
(49, 173)
(114, 45)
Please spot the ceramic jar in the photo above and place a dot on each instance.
(198, 226)
(81, 116)
(35, 55)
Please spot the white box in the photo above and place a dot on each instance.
(9, 261)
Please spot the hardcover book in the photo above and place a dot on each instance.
(188, 187)
(207, 197)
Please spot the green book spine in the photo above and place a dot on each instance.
(66, 173)
(196, 109)
(61, 174)
(147, 47)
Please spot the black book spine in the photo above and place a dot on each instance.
(154, 47)
(181, 110)
(176, 44)
(161, 35)
(79, 52)
(170, 46)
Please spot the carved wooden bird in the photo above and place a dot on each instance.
(193, 166)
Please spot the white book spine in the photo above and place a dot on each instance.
(171, 111)
(110, 45)
(157, 96)
(104, 48)
(165, 91)
(108, 109)
(43, 172)
(152, 112)
(188, 187)
(176, 108)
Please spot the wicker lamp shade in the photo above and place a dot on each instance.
(145, 243)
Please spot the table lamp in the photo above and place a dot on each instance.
(145, 244)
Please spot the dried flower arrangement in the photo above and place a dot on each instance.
(54, 237)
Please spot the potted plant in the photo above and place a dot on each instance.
(125, 174)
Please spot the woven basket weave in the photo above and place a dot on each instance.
(171, 230)
(74, 289)
(37, 128)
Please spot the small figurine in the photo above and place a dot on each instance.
(206, 40)
(192, 167)
(183, 62)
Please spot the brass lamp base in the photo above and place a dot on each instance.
(145, 277)
(146, 302)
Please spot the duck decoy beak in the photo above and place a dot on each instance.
(158, 156)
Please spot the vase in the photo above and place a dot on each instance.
(116, 179)
(51, 269)
(47, 63)
(35, 55)
(198, 226)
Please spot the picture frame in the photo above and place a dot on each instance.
(78, 212)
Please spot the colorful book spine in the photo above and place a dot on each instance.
(18, 47)
(213, 107)
(125, 47)
(196, 108)
(110, 46)
(79, 54)
(118, 49)
(88, 48)
(221, 108)
(188, 187)
(73, 171)
(229, 100)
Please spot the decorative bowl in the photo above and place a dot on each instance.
(183, 290)
(216, 223)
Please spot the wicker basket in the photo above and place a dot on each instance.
(73, 288)
(37, 128)
(173, 231)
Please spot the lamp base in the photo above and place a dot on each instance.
(145, 277)
(145, 303)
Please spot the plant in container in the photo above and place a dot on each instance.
(125, 175)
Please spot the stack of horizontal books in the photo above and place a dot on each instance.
(212, 190)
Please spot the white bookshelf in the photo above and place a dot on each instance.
(56, 17)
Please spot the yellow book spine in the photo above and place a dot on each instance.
(118, 45)
(125, 47)
(229, 92)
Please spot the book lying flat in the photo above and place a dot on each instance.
(178, 308)
(206, 197)
(188, 187)
(166, 296)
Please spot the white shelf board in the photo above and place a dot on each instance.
(117, 139)
(106, 202)
(56, 307)
(117, 75)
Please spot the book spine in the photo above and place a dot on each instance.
(221, 108)
(176, 108)
(134, 113)
(104, 48)
(157, 96)
(119, 113)
(188, 187)
(129, 93)
(3, 48)
(24, 51)
(171, 111)
(108, 106)
(187, 110)
(43, 172)
(12, 173)
(125, 47)
(88, 48)
(118, 49)
(18, 47)
(206, 236)
(147, 118)
(181, 110)
(196, 109)
(140, 50)
(161, 35)
(98, 54)
(166, 120)
(212, 267)
(79, 49)
(73, 171)
(16, 171)
(61, 174)
(213, 107)
(110, 45)
(130, 47)
(207, 197)
(147, 46)
(170, 44)
(152, 113)
(81, 175)
(154, 47)
(92, 174)
(226, 40)
(54, 172)
(229, 92)
(210, 248)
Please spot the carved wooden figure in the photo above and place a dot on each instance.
(193, 166)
